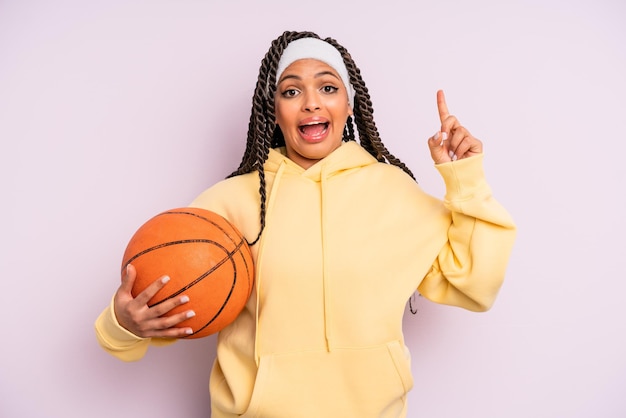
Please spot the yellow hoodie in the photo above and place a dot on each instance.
(346, 244)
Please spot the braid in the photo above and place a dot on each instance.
(263, 133)
(348, 132)
(363, 114)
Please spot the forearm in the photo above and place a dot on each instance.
(471, 266)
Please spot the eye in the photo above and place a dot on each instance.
(329, 89)
(290, 93)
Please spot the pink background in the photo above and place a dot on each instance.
(111, 111)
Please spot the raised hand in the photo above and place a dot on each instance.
(452, 141)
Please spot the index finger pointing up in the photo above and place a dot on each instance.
(442, 106)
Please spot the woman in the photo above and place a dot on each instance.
(342, 236)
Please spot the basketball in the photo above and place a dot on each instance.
(206, 258)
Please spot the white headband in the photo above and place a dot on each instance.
(314, 48)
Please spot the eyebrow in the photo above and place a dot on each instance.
(317, 75)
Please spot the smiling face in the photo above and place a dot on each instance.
(311, 110)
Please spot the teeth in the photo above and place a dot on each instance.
(324, 125)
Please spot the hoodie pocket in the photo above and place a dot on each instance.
(367, 382)
(401, 359)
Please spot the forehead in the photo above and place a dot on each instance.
(308, 66)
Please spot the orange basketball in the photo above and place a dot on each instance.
(206, 258)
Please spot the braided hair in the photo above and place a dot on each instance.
(263, 133)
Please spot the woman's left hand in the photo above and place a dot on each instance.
(453, 141)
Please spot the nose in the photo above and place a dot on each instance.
(311, 102)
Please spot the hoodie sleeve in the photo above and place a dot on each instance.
(119, 342)
(125, 345)
(470, 268)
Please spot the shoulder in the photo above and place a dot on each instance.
(231, 196)
(224, 189)
(236, 199)
(388, 176)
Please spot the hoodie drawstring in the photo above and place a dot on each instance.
(272, 198)
(325, 285)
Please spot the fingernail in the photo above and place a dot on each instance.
(184, 299)
(443, 136)
(165, 279)
(436, 136)
(190, 314)
(188, 331)
(450, 153)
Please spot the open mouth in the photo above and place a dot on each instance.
(314, 130)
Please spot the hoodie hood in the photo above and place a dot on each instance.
(349, 155)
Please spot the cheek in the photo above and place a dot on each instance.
(281, 115)
(340, 106)
(283, 106)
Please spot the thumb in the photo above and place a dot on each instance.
(438, 147)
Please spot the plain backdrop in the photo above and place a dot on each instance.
(112, 111)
